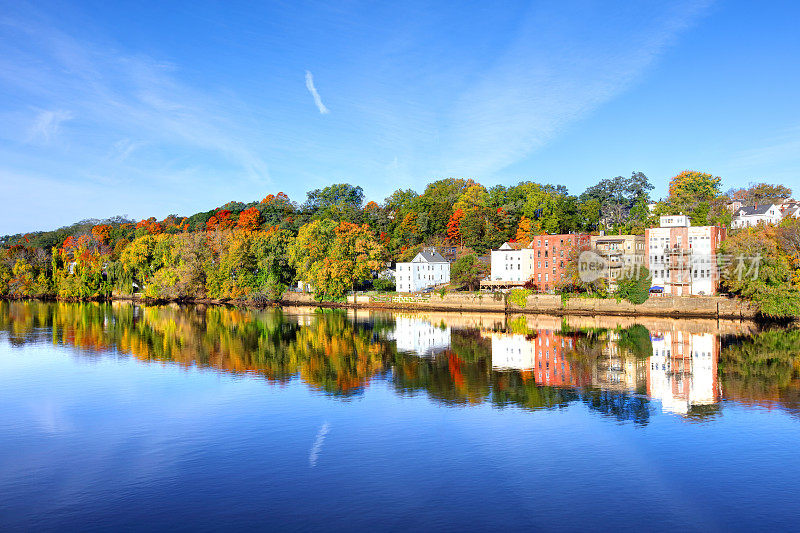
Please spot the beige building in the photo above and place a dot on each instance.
(623, 253)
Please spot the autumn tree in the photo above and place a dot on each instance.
(454, 227)
(468, 271)
(249, 219)
(697, 195)
(761, 193)
(102, 232)
(765, 268)
(335, 257)
(524, 231)
(573, 282)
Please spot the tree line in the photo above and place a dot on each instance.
(334, 240)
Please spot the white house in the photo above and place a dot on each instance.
(512, 262)
(752, 215)
(427, 269)
(790, 209)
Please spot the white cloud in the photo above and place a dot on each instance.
(313, 90)
(47, 125)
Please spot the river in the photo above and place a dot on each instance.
(117, 416)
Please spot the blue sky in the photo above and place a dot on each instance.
(148, 109)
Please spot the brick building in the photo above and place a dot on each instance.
(550, 256)
(682, 258)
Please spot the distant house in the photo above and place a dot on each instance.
(427, 269)
(748, 216)
(790, 210)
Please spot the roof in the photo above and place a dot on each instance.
(748, 211)
(431, 256)
(513, 246)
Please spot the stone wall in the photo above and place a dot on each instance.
(675, 306)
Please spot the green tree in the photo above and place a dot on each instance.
(635, 286)
(468, 271)
(340, 201)
(617, 197)
(697, 195)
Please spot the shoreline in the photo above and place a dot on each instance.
(716, 307)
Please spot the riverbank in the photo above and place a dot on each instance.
(714, 307)
(662, 306)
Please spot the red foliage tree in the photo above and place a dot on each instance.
(454, 226)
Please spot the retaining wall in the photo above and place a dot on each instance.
(674, 306)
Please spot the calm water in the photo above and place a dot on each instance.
(189, 418)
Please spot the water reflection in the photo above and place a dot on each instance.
(617, 368)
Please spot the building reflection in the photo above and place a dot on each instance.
(624, 369)
(682, 372)
(542, 354)
(420, 336)
(618, 369)
(675, 368)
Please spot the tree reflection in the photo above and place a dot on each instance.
(617, 372)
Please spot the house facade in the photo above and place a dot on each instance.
(512, 262)
(542, 261)
(749, 216)
(682, 258)
(427, 269)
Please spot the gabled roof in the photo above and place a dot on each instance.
(429, 256)
(749, 211)
(513, 246)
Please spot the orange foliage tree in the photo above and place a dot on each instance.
(249, 219)
(102, 232)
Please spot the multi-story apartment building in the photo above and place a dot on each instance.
(682, 258)
(623, 253)
(427, 269)
(551, 253)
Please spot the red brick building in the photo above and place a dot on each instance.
(550, 257)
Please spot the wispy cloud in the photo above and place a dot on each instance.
(315, 449)
(47, 125)
(113, 94)
(123, 148)
(555, 73)
(313, 90)
(783, 148)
